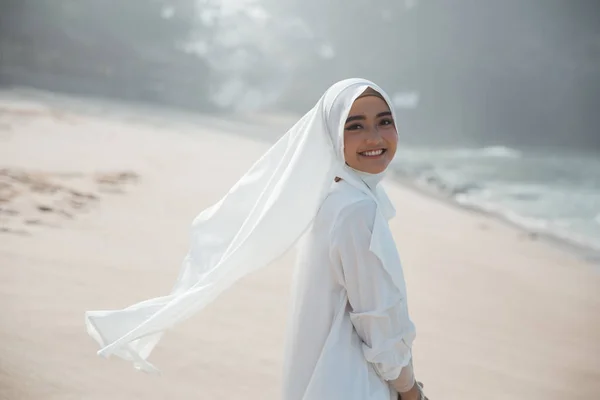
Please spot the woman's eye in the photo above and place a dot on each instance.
(353, 127)
(387, 121)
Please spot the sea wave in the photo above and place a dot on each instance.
(490, 151)
(553, 195)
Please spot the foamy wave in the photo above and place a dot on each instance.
(501, 151)
(543, 195)
(492, 151)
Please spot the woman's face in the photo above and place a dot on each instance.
(370, 137)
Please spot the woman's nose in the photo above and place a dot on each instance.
(373, 137)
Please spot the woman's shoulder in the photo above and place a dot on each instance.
(346, 204)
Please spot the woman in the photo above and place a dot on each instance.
(350, 333)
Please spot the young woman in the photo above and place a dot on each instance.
(350, 334)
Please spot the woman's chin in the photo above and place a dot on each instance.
(372, 166)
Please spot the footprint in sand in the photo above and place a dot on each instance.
(34, 198)
(115, 182)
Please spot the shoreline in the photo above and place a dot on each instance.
(588, 254)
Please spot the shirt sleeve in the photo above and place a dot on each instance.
(378, 308)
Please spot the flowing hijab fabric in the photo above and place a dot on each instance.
(258, 220)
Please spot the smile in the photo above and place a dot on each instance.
(373, 153)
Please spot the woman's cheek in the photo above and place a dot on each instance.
(391, 136)
(351, 143)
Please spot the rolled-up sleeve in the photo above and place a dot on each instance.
(378, 308)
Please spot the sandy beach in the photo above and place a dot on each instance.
(95, 213)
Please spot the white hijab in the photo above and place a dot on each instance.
(258, 220)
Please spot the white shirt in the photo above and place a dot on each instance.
(349, 331)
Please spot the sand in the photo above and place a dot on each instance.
(95, 213)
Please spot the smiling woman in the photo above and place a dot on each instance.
(350, 335)
(370, 135)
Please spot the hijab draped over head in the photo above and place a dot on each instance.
(258, 220)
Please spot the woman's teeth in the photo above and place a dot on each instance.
(372, 153)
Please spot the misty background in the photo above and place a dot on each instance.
(498, 101)
(510, 72)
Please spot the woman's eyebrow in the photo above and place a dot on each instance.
(356, 118)
(362, 117)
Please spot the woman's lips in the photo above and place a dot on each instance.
(372, 153)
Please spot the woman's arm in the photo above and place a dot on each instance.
(379, 313)
(406, 381)
(406, 385)
(415, 393)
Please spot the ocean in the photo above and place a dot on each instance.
(552, 192)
